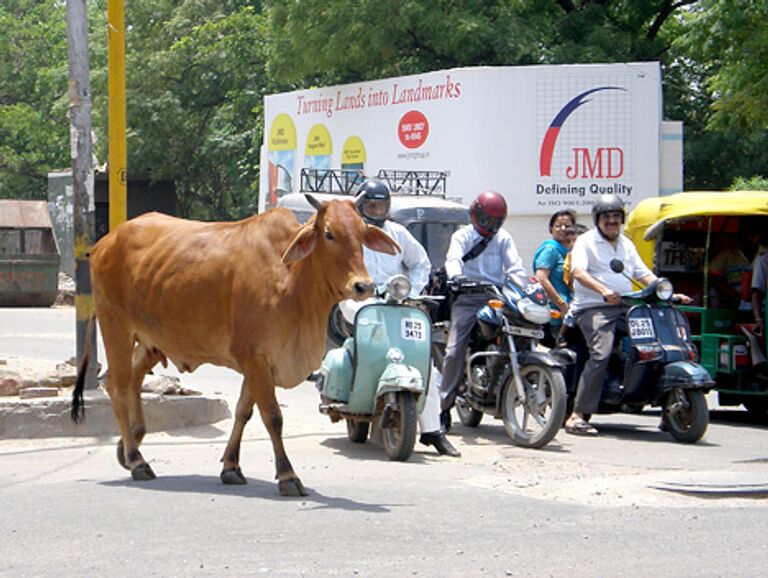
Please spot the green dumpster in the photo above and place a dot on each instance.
(29, 255)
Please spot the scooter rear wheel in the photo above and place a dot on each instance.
(357, 431)
(399, 433)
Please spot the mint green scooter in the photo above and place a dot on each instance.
(379, 376)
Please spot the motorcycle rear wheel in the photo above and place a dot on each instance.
(686, 424)
(534, 421)
(469, 416)
(357, 431)
(399, 434)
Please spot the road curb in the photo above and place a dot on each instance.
(49, 417)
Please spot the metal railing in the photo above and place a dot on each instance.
(400, 182)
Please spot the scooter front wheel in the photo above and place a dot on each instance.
(399, 433)
(686, 414)
(534, 421)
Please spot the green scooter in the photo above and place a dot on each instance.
(379, 376)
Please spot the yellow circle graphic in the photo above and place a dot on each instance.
(282, 134)
(318, 141)
(354, 151)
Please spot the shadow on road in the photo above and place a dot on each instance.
(738, 418)
(371, 451)
(211, 485)
(626, 431)
(494, 433)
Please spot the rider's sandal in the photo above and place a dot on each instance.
(581, 428)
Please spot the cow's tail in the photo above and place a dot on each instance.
(77, 411)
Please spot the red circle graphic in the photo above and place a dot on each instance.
(413, 129)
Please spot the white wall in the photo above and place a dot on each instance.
(530, 231)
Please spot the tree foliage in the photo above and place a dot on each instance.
(730, 41)
(195, 85)
(352, 41)
(198, 71)
(33, 81)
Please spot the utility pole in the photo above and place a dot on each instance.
(82, 176)
(118, 177)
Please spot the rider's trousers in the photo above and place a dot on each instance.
(598, 324)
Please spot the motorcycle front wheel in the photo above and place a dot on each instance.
(686, 414)
(399, 433)
(534, 421)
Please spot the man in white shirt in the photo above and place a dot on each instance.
(597, 299)
(482, 251)
(373, 203)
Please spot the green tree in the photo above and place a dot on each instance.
(726, 116)
(34, 133)
(730, 39)
(195, 84)
(367, 39)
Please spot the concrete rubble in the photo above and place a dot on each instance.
(35, 402)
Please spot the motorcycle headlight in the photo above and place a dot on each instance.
(399, 287)
(664, 290)
(534, 312)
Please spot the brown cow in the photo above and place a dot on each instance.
(252, 295)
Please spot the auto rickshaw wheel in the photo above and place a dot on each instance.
(757, 408)
(686, 414)
(399, 434)
(357, 431)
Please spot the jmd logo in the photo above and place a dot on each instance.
(599, 163)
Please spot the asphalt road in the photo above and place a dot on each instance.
(582, 506)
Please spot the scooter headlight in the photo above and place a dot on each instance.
(395, 355)
(664, 290)
(399, 287)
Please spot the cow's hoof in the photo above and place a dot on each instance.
(233, 477)
(143, 473)
(121, 455)
(292, 488)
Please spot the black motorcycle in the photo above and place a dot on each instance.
(507, 374)
(654, 362)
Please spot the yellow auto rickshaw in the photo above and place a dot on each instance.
(705, 243)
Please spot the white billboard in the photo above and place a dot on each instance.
(546, 137)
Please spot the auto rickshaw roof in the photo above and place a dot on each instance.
(650, 216)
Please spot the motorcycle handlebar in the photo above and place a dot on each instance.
(467, 286)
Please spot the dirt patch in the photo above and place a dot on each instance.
(602, 485)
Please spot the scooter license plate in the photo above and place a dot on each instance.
(641, 328)
(413, 330)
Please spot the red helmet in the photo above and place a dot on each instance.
(487, 213)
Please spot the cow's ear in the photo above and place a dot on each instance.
(302, 245)
(377, 240)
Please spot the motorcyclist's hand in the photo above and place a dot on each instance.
(612, 297)
(681, 298)
(459, 280)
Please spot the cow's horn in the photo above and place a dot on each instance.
(313, 201)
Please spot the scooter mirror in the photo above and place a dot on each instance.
(617, 265)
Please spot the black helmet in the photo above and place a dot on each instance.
(608, 204)
(373, 201)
